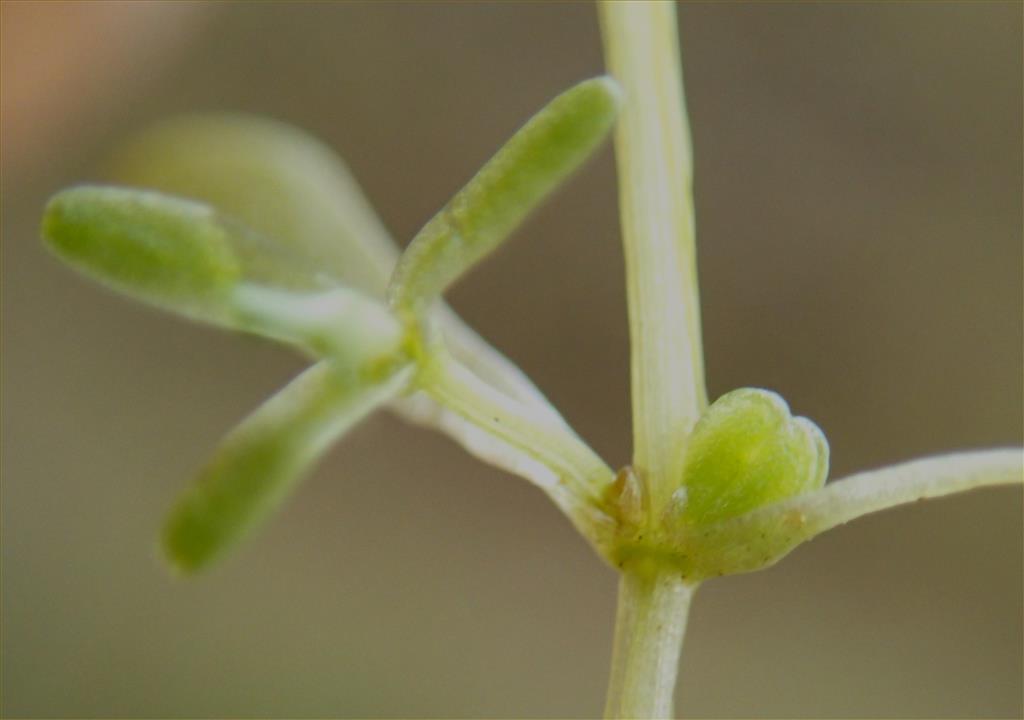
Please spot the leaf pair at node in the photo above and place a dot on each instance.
(753, 488)
(278, 241)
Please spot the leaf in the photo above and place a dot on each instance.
(276, 179)
(263, 458)
(177, 254)
(289, 186)
(762, 537)
(746, 451)
(552, 144)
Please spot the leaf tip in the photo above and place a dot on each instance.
(180, 549)
(612, 90)
(163, 249)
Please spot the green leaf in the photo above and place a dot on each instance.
(746, 451)
(763, 536)
(276, 179)
(262, 459)
(288, 186)
(177, 254)
(552, 144)
(171, 252)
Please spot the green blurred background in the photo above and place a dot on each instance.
(859, 210)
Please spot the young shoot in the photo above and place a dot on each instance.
(253, 226)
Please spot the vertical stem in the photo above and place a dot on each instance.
(655, 168)
(652, 146)
(649, 627)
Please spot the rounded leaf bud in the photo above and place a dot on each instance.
(746, 451)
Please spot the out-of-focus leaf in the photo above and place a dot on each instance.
(289, 186)
(552, 144)
(276, 179)
(262, 459)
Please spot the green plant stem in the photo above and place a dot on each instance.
(575, 478)
(655, 168)
(649, 627)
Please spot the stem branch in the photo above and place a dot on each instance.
(561, 463)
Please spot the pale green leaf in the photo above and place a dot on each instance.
(289, 186)
(552, 144)
(170, 252)
(177, 254)
(276, 179)
(262, 459)
(763, 536)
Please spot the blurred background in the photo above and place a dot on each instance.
(859, 210)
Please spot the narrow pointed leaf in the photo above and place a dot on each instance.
(524, 172)
(763, 536)
(260, 461)
(276, 179)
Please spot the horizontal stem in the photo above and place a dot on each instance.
(761, 537)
